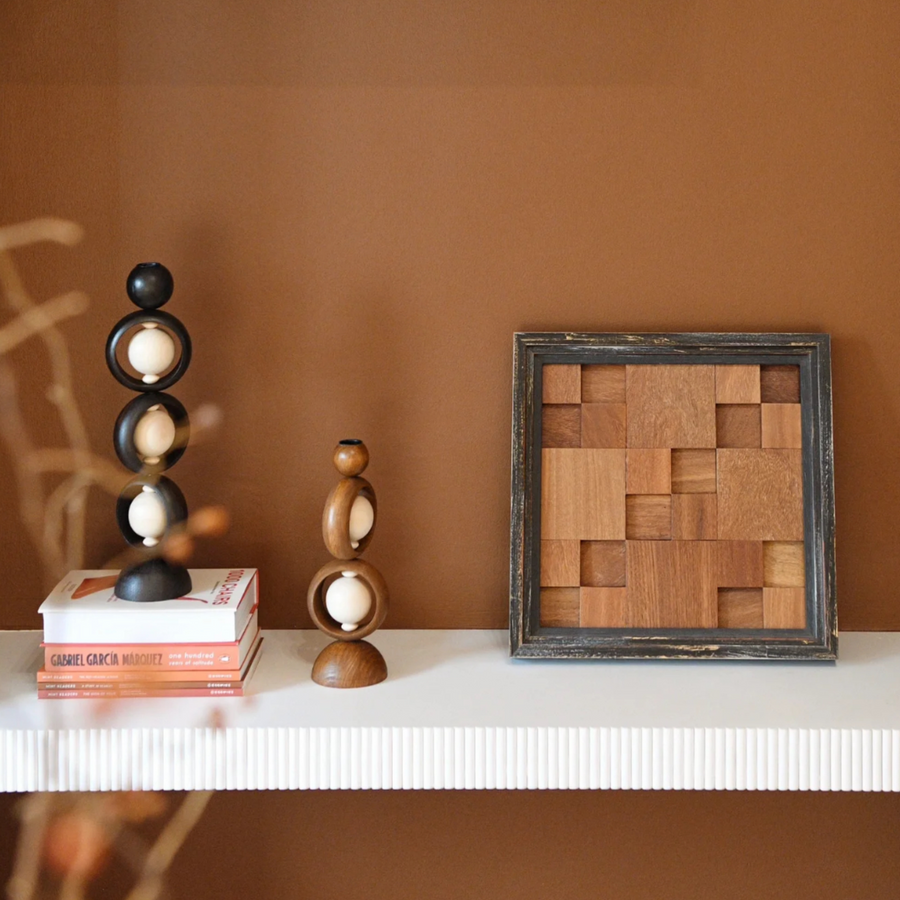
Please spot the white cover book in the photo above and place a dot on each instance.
(83, 609)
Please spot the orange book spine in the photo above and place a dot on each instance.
(112, 693)
(125, 657)
(65, 676)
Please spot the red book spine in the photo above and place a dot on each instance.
(166, 687)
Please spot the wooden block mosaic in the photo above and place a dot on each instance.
(672, 497)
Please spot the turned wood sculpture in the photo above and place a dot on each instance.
(151, 432)
(348, 598)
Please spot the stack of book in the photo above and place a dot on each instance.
(97, 646)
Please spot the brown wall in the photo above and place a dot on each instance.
(361, 201)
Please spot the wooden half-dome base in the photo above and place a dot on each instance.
(349, 664)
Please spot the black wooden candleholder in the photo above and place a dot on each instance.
(148, 351)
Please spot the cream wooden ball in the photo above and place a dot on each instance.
(362, 518)
(154, 434)
(147, 516)
(347, 600)
(151, 351)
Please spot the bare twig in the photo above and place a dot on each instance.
(168, 844)
(34, 320)
(72, 834)
(34, 814)
(56, 231)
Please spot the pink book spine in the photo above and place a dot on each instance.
(112, 677)
(128, 657)
(111, 693)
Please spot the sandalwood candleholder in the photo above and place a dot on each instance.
(348, 597)
(147, 352)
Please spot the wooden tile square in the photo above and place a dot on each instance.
(603, 425)
(693, 471)
(561, 425)
(760, 495)
(740, 608)
(603, 384)
(648, 517)
(784, 564)
(737, 384)
(562, 384)
(671, 406)
(738, 426)
(602, 564)
(604, 607)
(672, 584)
(740, 564)
(781, 425)
(784, 607)
(693, 517)
(779, 384)
(560, 607)
(560, 563)
(583, 494)
(648, 471)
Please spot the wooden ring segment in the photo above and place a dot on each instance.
(135, 320)
(366, 572)
(336, 517)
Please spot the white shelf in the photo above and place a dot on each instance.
(456, 712)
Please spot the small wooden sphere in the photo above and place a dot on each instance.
(149, 285)
(351, 457)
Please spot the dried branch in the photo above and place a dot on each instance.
(168, 844)
(72, 835)
(34, 814)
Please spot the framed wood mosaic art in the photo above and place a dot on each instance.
(672, 497)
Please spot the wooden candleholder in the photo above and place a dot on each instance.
(150, 435)
(348, 597)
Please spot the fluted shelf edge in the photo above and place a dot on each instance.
(456, 713)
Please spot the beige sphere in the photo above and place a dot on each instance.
(147, 516)
(348, 601)
(362, 518)
(154, 434)
(151, 351)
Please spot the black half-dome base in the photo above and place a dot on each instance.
(153, 580)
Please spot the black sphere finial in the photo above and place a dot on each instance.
(150, 285)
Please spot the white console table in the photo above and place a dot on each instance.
(456, 712)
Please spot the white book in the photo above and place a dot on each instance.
(83, 609)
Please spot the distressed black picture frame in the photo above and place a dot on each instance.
(812, 353)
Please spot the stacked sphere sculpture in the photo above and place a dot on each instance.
(348, 598)
(148, 351)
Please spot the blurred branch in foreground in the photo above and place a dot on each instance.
(67, 840)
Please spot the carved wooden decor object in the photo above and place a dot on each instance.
(672, 496)
(348, 598)
(147, 352)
